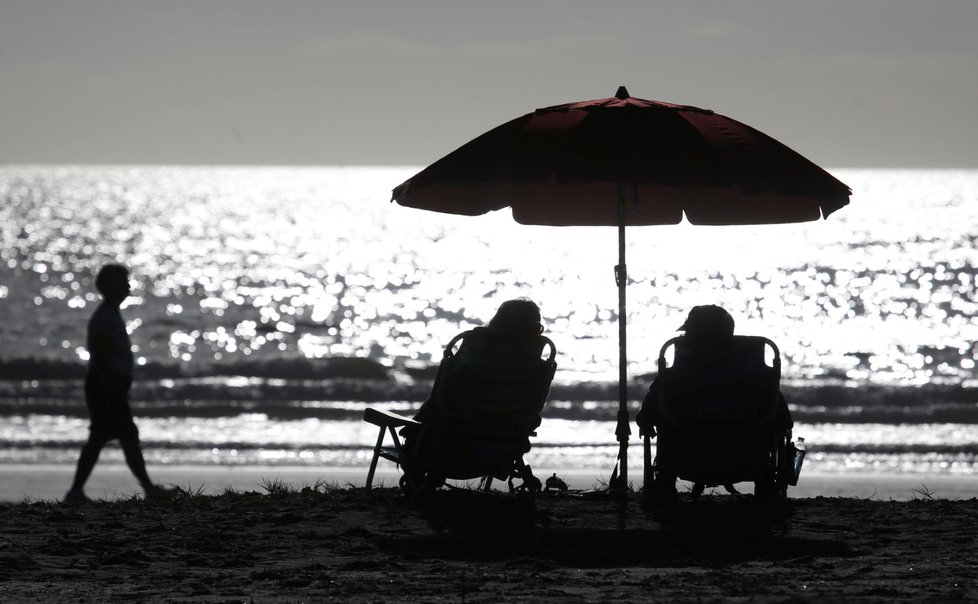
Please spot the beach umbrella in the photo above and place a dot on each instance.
(624, 161)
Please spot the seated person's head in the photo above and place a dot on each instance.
(708, 324)
(518, 315)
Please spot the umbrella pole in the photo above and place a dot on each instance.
(619, 482)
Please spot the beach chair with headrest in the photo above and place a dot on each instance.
(719, 417)
(485, 404)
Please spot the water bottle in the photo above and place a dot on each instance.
(799, 458)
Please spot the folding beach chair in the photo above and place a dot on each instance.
(491, 386)
(720, 419)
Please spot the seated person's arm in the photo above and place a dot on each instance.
(648, 415)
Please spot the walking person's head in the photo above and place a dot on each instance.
(708, 323)
(518, 315)
(112, 281)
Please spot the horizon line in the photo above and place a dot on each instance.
(85, 164)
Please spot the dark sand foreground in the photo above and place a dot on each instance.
(356, 545)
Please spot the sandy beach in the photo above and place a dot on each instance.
(350, 544)
(113, 481)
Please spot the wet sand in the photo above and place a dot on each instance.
(350, 544)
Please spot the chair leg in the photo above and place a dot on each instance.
(648, 476)
(373, 462)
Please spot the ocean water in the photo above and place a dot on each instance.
(272, 305)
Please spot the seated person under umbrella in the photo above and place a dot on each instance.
(707, 329)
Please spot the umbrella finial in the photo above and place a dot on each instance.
(622, 93)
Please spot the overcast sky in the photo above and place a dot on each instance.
(847, 83)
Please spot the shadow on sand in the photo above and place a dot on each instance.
(605, 533)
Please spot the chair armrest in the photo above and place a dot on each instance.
(386, 419)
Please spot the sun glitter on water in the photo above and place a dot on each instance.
(245, 263)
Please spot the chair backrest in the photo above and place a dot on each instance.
(726, 384)
(493, 383)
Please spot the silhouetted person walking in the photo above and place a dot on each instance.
(107, 384)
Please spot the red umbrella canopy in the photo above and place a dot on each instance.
(565, 165)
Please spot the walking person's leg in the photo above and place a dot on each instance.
(92, 448)
(134, 459)
(128, 436)
(86, 463)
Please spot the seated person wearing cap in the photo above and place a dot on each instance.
(706, 328)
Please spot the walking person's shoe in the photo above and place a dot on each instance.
(76, 496)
